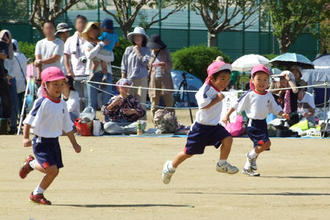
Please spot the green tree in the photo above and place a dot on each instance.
(13, 10)
(128, 10)
(224, 15)
(290, 18)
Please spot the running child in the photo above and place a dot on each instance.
(257, 103)
(206, 130)
(48, 118)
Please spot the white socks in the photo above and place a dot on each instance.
(221, 162)
(32, 164)
(38, 190)
(253, 154)
(170, 167)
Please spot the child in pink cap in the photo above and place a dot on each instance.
(257, 103)
(206, 129)
(49, 117)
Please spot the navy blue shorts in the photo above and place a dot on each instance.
(47, 151)
(257, 131)
(201, 136)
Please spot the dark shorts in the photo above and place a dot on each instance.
(201, 136)
(257, 131)
(47, 151)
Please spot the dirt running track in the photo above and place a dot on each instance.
(119, 178)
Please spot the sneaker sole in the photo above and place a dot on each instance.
(221, 171)
(250, 174)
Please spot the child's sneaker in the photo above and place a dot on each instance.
(26, 168)
(252, 162)
(39, 198)
(250, 172)
(226, 168)
(167, 173)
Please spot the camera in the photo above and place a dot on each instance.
(83, 59)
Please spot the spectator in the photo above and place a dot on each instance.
(19, 70)
(160, 67)
(296, 70)
(134, 64)
(10, 65)
(63, 32)
(92, 49)
(306, 105)
(122, 111)
(5, 52)
(49, 50)
(72, 98)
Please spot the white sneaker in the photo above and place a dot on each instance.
(226, 168)
(167, 174)
(252, 162)
(250, 172)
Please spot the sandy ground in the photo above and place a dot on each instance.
(120, 178)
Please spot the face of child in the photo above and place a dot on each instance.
(221, 81)
(123, 91)
(55, 88)
(260, 81)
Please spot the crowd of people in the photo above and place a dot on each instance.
(88, 53)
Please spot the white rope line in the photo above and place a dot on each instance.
(194, 91)
(145, 104)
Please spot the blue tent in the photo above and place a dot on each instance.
(193, 83)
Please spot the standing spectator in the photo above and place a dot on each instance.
(49, 50)
(92, 49)
(134, 64)
(5, 52)
(63, 32)
(10, 65)
(74, 55)
(296, 70)
(19, 70)
(160, 67)
(122, 111)
(71, 97)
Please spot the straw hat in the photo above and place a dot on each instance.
(88, 29)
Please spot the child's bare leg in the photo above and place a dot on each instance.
(104, 67)
(95, 64)
(51, 173)
(261, 148)
(225, 148)
(179, 158)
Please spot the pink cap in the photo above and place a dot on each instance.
(260, 68)
(215, 67)
(52, 74)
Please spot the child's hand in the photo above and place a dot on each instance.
(226, 119)
(27, 142)
(77, 148)
(286, 116)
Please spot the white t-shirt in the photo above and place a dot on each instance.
(74, 46)
(48, 118)
(204, 96)
(257, 106)
(47, 49)
(306, 103)
(73, 103)
(13, 66)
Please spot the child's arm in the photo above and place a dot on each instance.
(73, 141)
(215, 101)
(26, 136)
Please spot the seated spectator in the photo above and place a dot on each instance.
(306, 105)
(123, 111)
(72, 98)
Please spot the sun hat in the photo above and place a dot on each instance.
(62, 27)
(124, 82)
(52, 73)
(137, 31)
(155, 42)
(88, 29)
(259, 68)
(107, 23)
(215, 67)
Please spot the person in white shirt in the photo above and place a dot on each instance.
(206, 130)
(49, 50)
(71, 97)
(49, 118)
(257, 103)
(306, 105)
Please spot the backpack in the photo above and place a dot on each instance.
(83, 128)
(165, 121)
